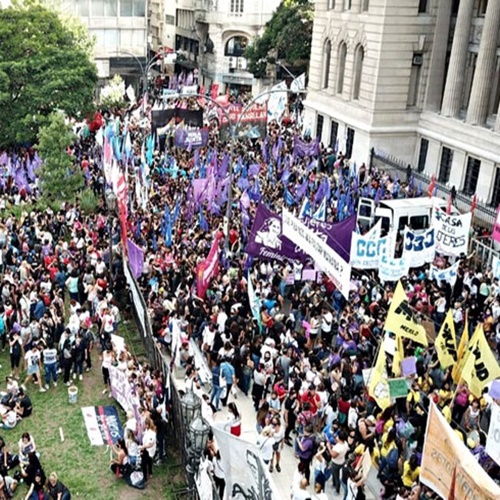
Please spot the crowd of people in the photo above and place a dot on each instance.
(301, 362)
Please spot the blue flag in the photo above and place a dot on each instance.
(305, 209)
(289, 199)
(203, 221)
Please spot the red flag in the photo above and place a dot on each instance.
(208, 268)
(473, 204)
(122, 214)
(214, 91)
(432, 186)
(451, 494)
(448, 207)
(201, 100)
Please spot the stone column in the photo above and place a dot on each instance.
(452, 99)
(435, 81)
(486, 63)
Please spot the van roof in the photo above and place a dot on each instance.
(425, 202)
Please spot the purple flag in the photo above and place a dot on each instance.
(253, 170)
(301, 148)
(266, 239)
(135, 258)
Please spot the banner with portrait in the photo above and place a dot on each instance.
(246, 474)
(267, 241)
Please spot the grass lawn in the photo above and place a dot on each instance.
(82, 467)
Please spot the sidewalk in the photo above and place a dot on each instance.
(283, 479)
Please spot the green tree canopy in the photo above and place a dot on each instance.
(44, 66)
(287, 36)
(60, 178)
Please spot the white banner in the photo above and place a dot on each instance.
(451, 232)
(365, 248)
(311, 243)
(277, 102)
(392, 269)
(495, 264)
(493, 441)
(449, 274)
(246, 475)
(419, 249)
(190, 89)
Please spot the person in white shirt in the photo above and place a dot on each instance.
(265, 443)
(148, 448)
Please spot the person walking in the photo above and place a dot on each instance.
(338, 452)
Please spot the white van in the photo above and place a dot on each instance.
(416, 213)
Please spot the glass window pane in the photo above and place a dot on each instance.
(111, 38)
(138, 38)
(82, 7)
(125, 38)
(97, 8)
(126, 8)
(110, 8)
(139, 8)
(99, 35)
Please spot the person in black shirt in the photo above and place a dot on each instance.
(56, 489)
(23, 405)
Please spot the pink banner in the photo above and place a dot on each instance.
(496, 228)
(208, 268)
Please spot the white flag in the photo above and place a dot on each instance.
(299, 84)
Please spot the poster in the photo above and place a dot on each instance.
(398, 388)
(252, 121)
(103, 425)
(451, 232)
(419, 249)
(191, 137)
(444, 455)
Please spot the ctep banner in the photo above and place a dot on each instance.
(103, 425)
(451, 232)
(327, 259)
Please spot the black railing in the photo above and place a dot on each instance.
(484, 215)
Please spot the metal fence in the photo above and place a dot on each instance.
(484, 215)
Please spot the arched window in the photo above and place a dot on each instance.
(327, 57)
(236, 46)
(359, 56)
(341, 67)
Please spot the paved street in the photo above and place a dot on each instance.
(283, 479)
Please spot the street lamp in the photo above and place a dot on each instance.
(190, 407)
(199, 430)
(111, 202)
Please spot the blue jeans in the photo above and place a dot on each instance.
(50, 372)
(336, 476)
(216, 393)
(78, 367)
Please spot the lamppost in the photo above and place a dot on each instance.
(111, 202)
(196, 438)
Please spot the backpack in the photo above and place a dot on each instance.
(2, 325)
(136, 480)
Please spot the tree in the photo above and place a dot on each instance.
(60, 178)
(44, 66)
(287, 36)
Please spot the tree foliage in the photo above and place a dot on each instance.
(60, 178)
(44, 66)
(287, 36)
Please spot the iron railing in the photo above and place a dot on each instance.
(484, 215)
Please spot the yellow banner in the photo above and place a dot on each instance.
(443, 453)
(378, 386)
(401, 320)
(455, 373)
(446, 343)
(399, 354)
(480, 366)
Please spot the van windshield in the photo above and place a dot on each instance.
(386, 224)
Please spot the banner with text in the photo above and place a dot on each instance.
(103, 425)
(451, 232)
(444, 456)
(449, 274)
(252, 121)
(365, 248)
(191, 137)
(493, 441)
(326, 258)
(419, 249)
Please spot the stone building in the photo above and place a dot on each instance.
(417, 79)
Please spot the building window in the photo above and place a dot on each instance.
(132, 8)
(347, 4)
(319, 126)
(236, 7)
(327, 58)
(349, 142)
(495, 197)
(236, 46)
(334, 130)
(422, 155)
(445, 165)
(169, 19)
(413, 88)
(454, 7)
(359, 57)
(365, 5)
(82, 8)
(471, 175)
(481, 9)
(341, 67)
(331, 4)
(422, 6)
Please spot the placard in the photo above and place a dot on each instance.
(451, 232)
(409, 366)
(398, 388)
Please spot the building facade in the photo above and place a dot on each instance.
(416, 79)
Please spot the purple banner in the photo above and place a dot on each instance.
(301, 148)
(191, 138)
(267, 241)
(135, 257)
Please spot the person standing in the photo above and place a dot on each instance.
(148, 449)
(228, 373)
(338, 452)
(50, 364)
